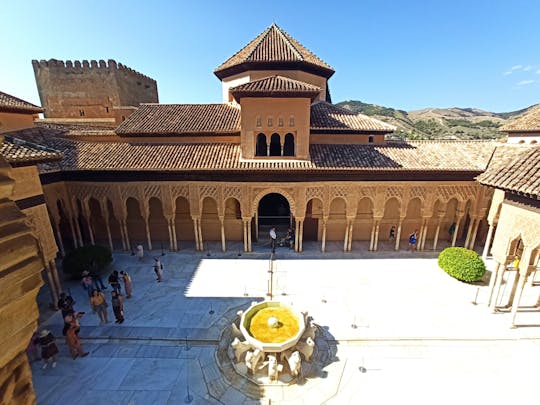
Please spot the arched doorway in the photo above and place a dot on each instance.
(273, 211)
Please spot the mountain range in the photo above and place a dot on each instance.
(438, 123)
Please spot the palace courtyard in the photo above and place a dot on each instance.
(397, 330)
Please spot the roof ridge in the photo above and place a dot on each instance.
(285, 37)
(263, 36)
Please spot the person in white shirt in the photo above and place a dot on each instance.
(273, 237)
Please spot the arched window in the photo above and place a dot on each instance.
(370, 139)
(261, 148)
(275, 145)
(288, 146)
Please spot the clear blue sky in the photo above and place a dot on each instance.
(402, 54)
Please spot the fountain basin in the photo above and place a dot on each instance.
(258, 332)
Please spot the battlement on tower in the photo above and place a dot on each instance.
(90, 88)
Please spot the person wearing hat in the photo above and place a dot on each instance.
(49, 350)
(87, 283)
(72, 340)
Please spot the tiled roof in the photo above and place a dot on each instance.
(520, 174)
(273, 46)
(435, 156)
(328, 116)
(9, 103)
(178, 119)
(528, 122)
(20, 152)
(275, 86)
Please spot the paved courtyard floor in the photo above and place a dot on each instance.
(402, 331)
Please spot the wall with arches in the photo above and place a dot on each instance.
(180, 214)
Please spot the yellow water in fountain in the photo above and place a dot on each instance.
(288, 325)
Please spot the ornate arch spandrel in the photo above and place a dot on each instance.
(278, 190)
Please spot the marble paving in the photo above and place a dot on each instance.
(403, 330)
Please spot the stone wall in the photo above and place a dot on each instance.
(89, 89)
(20, 281)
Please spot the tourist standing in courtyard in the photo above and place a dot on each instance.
(140, 252)
(114, 281)
(127, 283)
(65, 304)
(74, 343)
(49, 350)
(413, 239)
(392, 234)
(118, 306)
(273, 237)
(158, 269)
(99, 306)
(87, 283)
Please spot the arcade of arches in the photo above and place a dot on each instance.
(173, 215)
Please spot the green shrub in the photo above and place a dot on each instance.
(463, 264)
(91, 258)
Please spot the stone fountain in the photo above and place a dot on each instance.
(270, 342)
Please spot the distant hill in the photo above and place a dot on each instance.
(438, 123)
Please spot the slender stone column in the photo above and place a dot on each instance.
(59, 237)
(257, 226)
(244, 229)
(223, 243)
(492, 279)
(372, 236)
(487, 246)
(436, 238)
(516, 281)
(89, 225)
(54, 272)
(78, 230)
(296, 235)
(201, 238)
(52, 286)
(469, 233)
(323, 243)
(398, 235)
(196, 233)
(109, 236)
(458, 220)
(174, 238)
(346, 236)
(497, 287)
(249, 235)
(423, 231)
(474, 233)
(148, 237)
(349, 248)
(73, 233)
(126, 235)
(169, 230)
(376, 241)
(301, 238)
(520, 288)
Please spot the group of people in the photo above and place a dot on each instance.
(93, 285)
(288, 240)
(46, 341)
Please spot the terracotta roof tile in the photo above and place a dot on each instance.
(438, 156)
(273, 46)
(521, 174)
(9, 103)
(178, 119)
(275, 86)
(526, 123)
(328, 116)
(19, 152)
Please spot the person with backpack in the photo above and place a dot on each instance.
(413, 239)
(158, 269)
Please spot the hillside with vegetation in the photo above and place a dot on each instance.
(438, 123)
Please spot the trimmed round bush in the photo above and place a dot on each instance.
(91, 258)
(463, 264)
